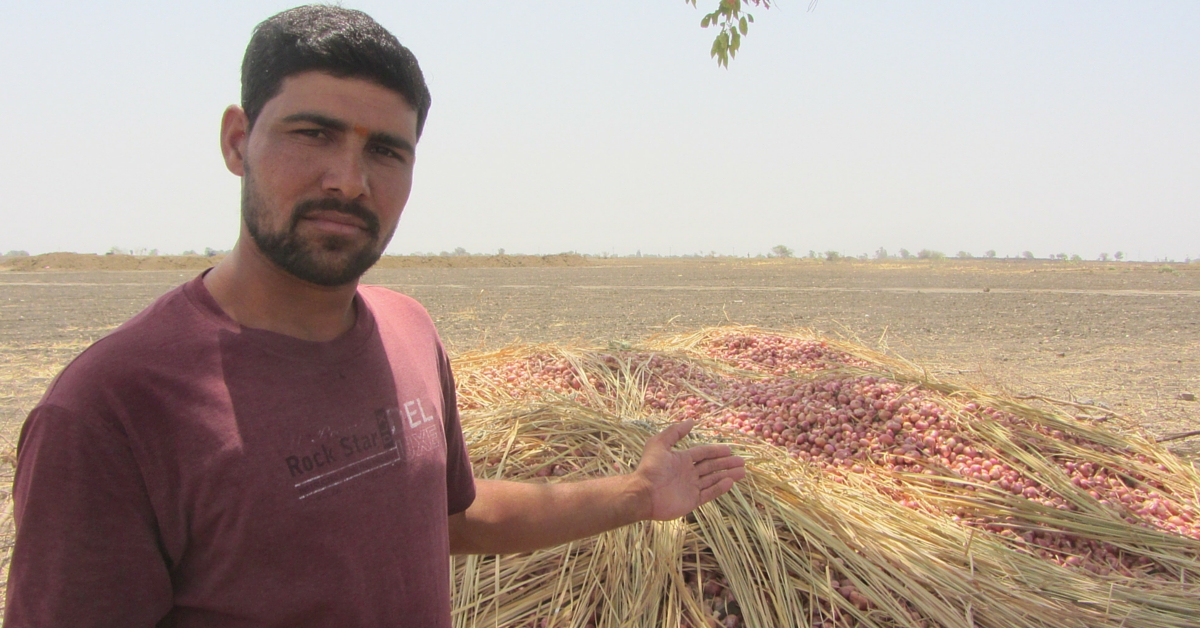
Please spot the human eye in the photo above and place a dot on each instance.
(384, 151)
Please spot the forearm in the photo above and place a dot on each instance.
(511, 517)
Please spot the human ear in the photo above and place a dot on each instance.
(235, 129)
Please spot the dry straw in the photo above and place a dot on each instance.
(787, 535)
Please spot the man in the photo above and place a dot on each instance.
(271, 444)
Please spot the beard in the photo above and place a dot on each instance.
(329, 260)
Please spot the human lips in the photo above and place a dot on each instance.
(337, 222)
(335, 217)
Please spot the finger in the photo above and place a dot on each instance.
(734, 474)
(700, 453)
(672, 434)
(709, 480)
(719, 464)
(715, 491)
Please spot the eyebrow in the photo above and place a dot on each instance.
(379, 137)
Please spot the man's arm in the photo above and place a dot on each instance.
(509, 517)
(87, 551)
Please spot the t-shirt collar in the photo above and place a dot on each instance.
(343, 347)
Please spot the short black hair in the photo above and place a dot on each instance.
(341, 42)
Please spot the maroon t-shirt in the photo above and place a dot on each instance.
(187, 471)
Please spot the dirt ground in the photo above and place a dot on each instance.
(1120, 335)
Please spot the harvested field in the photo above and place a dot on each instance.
(1122, 335)
(1120, 339)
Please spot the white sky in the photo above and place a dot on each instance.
(604, 127)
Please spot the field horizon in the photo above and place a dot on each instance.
(1119, 334)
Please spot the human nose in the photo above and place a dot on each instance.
(347, 175)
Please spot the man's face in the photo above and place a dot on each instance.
(327, 171)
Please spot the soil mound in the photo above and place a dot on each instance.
(91, 262)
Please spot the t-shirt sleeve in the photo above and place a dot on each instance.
(460, 483)
(86, 550)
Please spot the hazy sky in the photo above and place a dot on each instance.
(604, 127)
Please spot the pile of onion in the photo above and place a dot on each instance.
(774, 390)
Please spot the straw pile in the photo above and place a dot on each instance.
(877, 496)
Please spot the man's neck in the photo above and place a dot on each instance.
(256, 293)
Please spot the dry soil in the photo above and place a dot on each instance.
(1120, 335)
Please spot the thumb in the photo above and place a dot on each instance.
(673, 434)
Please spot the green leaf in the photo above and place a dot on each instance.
(734, 23)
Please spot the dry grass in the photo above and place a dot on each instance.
(785, 535)
(8, 463)
(25, 371)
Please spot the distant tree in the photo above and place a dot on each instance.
(209, 251)
(904, 254)
(17, 254)
(990, 254)
(501, 252)
(780, 250)
(965, 255)
(1062, 257)
(930, 254)
(116, 250)
(458, 250)
(832, 256)
(1118, 256)
(1027, 255)
(881, 253)
(1103, 257)
(1076, 258)
(812, 254)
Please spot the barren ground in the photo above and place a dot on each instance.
(1124, 335)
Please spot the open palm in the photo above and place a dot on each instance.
(680, 481)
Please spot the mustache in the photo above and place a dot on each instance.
(304, 208)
